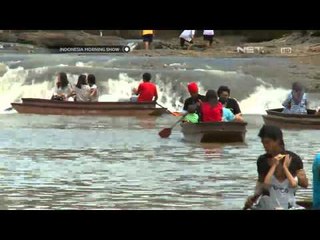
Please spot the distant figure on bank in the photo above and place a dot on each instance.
(187, 37)
(63, 90)
(82, 90)
(94, 93)
(227, 115)
(316, 182)
(192, 116)
(232, 103)
(211, 109)
(195, 98)
(147, 90)
(296, 101)
(147, 36)
(208, 36)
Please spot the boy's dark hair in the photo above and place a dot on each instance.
(146, 77)
(223, 100)
(211, 96)
(82, 80)
(192, 108)
(223, 89)
(272, 132)
(91, 79)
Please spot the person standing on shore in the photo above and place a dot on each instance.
(187, 36)
(316, 182)
(147, 36)
(208, 36)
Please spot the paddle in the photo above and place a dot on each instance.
(254, 199)
(166, 132)
(176, 114)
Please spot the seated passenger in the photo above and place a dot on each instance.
(82, 90)
(227, 115)
(147, 90)
(192, 116)
(296, 101)
(232, 103)
(94, 93)
(211, 109)
(63, 90)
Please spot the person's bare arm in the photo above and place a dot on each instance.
(257, 192)
(302, 178)
(293, 183)
(93, 92)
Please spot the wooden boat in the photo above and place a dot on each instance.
(292, 121)
(52, 107)
(221, 132)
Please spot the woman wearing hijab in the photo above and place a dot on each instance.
(296, 101)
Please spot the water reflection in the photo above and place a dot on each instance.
(111, 163)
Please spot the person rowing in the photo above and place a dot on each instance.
(194, 99)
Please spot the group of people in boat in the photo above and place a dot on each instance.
(85, 90)
(213, 107)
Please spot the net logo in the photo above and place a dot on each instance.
(251, 50)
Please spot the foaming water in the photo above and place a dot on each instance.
(34, 76)
(57, 162)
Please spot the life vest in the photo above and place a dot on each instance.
(211, 113)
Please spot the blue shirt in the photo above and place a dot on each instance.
(227, 115)
(316, 181)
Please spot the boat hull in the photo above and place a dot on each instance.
(219, 132)
(292, 121)
(49, 107)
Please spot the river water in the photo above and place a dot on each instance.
(63, 162)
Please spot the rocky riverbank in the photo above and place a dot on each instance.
(303, 48)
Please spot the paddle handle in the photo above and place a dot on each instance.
(175, 124)
(165, 108)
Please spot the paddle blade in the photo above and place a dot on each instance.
(165, 133)
(177, 114)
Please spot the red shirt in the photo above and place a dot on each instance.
(211, 113)
(147, 91)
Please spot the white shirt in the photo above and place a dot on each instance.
(83, 94)
(187, 34)
(96, 97)
(208, 32)
(62, 91)
(281, 193)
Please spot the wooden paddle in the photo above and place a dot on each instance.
(176, 114)
(254, 199)
(166, 132)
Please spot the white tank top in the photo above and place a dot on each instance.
(83, 94)
(281, 194)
